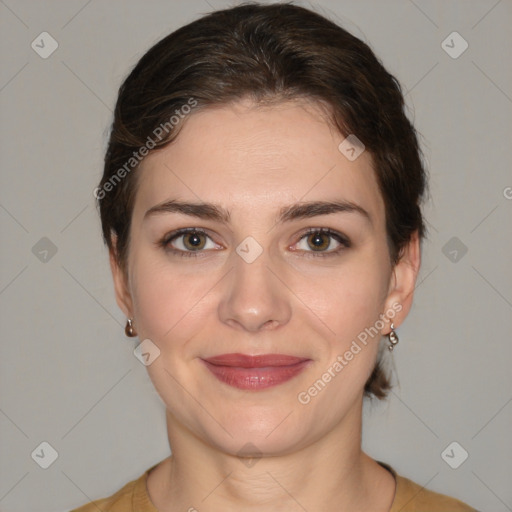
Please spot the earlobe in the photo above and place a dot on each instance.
(403, 282)
(121, 286)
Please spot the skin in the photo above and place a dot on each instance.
(252, 161)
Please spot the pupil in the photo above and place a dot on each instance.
(194, 240)
(317, 240)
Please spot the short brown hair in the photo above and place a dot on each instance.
(269, 53)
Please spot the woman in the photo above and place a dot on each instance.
(261, 204)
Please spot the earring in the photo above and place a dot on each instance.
(129, 329)
(393, 338)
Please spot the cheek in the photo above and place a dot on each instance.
(155, 300)
(168, 304)
(357, 308)
(350, 306)
(351, 298)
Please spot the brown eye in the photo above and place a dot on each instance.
(319, 241)
(194, 241)
(188, 242)
(322, 242)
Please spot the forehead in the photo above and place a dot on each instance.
(245, 156)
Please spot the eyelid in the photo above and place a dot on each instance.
(343, 240)
(327, 231)
(165, 242)
(183, 231)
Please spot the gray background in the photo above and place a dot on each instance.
(68, 374)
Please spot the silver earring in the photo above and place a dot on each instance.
(129, 330)
(393, 338)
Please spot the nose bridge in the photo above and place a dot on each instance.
(253, 298)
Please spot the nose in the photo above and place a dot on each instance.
(253, 297)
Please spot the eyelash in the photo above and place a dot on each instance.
(341, 239)
(166, 240)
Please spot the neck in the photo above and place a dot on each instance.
(331, 473)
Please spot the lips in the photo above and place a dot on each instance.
(255, 372)
(261, 361)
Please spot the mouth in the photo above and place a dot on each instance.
(255, 372)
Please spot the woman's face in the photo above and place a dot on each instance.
(253, 281)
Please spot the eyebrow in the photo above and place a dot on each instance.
(211, 211)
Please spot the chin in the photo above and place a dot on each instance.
(262, 431)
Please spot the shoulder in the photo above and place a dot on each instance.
(117, 502)
(131, 497)
(411, 497)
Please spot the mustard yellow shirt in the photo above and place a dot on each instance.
(409, 497)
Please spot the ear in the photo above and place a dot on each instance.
(403, 282)
(121, 285)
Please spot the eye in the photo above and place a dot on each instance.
(323, 242)
(188, 242)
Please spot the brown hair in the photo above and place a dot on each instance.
(269, 53)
